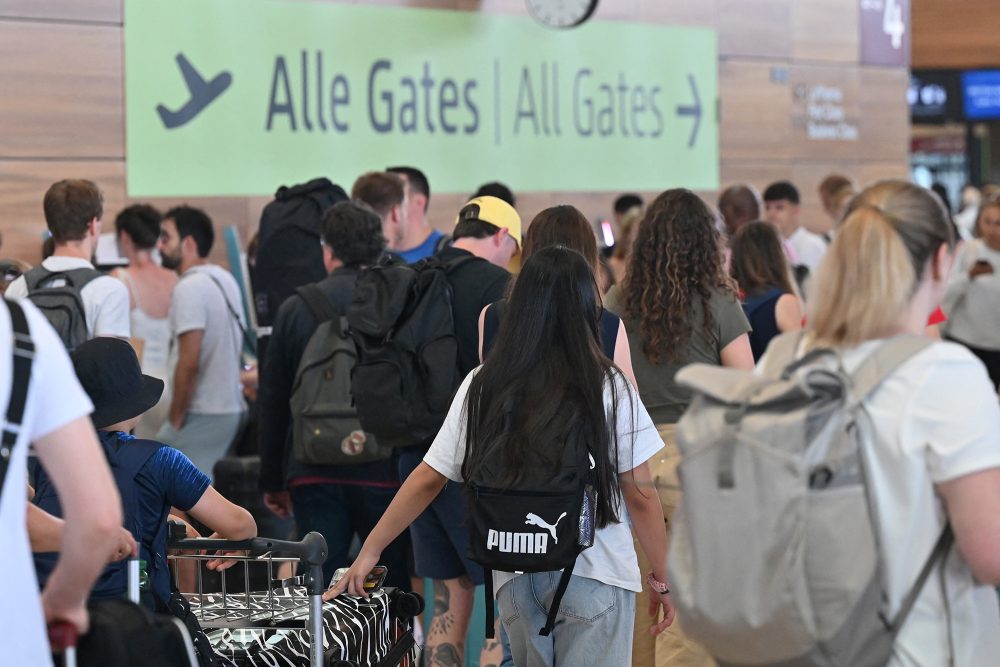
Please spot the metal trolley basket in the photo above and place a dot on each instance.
(251, 609)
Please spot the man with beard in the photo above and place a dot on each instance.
(207, 324)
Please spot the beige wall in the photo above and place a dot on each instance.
(62, 109)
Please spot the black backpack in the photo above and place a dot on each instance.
(123, 633)
(57, 295)
(288, 250)
(540, 523)
(404, 333)
(325, 427)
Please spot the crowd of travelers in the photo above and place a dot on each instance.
(575, 391)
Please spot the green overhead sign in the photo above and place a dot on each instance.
(235, 97)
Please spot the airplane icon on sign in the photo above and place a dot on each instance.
(203, 93)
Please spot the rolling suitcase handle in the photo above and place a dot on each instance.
(62, 639)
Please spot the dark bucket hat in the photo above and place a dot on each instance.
(110, 374)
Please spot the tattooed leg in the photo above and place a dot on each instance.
(446, 636)
(492, 653)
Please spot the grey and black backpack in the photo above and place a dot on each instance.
(57, 294)
(325, 426)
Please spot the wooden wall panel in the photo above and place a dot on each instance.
(756, 29)
(102, 11)
(22, 186)
(824, 30)
(755, 112)
(885, 124)
(62, 91)
(955, 34)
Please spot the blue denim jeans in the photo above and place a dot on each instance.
(340, 511)
(593, 627)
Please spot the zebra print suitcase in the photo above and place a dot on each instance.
(364, 633)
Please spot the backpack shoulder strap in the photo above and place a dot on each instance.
(781, 352)
(453, 264)
(79, 278)
(881, 363)
(35, 277)
(320, 306)
(442, 243)
(24, 354)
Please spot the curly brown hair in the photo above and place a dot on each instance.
(676, 258)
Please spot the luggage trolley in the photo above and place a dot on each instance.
(288, 618)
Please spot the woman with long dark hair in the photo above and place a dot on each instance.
(563, 225)
(547, 385)
(679, 307)
(760, 268)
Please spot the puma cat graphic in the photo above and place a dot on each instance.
(535, 520)
(524, 543)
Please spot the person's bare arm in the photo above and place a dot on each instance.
(45, 534)
(228, 521)
(973, 506)
(738, 354)
(623, 355)
(482, 324)
(91, 512)
(788, 313)
(417, 492)
(186, 375)
(44, 530)
(647, 520)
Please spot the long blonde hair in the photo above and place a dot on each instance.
(864, 284)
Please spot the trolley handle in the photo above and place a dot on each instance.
(311, 550)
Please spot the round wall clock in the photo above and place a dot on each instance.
(561, 13)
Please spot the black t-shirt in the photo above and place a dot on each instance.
(474, 285)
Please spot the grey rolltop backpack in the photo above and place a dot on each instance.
(774, 556)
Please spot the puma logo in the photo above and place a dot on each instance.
(535, 520)
(202, 92)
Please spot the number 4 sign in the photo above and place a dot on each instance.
(893, 24)
(884, 35)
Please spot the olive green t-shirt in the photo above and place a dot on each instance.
(664, 399)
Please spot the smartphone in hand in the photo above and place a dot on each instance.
(373, 581)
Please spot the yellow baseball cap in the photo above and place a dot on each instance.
(494, 211)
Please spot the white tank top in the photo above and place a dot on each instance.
(154, 332)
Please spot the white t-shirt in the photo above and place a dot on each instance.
(937, 419)
(55, 398)
(105, 299)
(809, 247)
(612, 559)
(973, 306)
(198, 303)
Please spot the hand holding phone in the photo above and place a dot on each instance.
(373, 580)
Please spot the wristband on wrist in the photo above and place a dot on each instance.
(660, 587)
